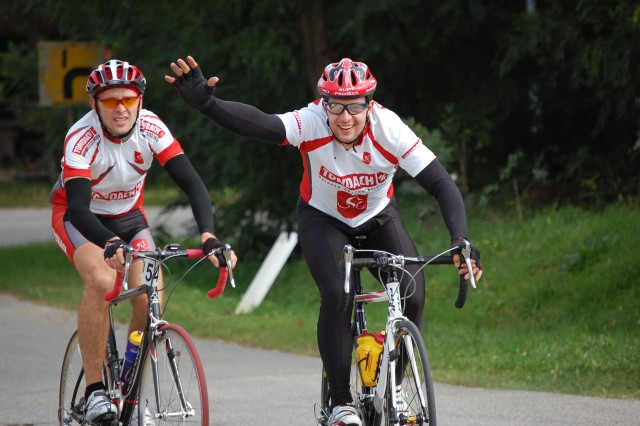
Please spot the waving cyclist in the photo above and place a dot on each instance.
(351, 147)
(97, 205)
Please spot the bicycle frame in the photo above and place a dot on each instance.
(153, 372)
(152, 327)
(391, 294)
(154, 321)
(375, 397)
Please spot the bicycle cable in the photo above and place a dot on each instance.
(434, 257)
(178, 282)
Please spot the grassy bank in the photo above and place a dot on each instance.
(36, 195)
(556, 310)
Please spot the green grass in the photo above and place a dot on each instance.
(556, 309)
(37, 194)
(25, 194)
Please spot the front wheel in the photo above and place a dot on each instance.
(182, 388)
(414, 397)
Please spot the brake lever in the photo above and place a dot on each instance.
(128, 253)
(466, 254)
(226, 253)
(348, 257)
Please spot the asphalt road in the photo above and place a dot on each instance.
(246, 386)
(29, 225)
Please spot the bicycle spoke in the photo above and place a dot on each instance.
(181, 387)
(413, 400)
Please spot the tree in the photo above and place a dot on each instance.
(463, 69)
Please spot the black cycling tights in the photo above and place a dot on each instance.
(322, 238)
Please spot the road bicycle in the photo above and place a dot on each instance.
(167, 384)
(402, 391)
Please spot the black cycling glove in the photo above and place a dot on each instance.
(212, 244)
(475, 255)
(475, 252)
(112, 247)
(193, 88)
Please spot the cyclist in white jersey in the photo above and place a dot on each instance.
(97, 206)
(351, 147)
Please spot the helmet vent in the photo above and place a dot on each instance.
(354, 78)
(346, 79)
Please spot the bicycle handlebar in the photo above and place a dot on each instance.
(171, 251)
(380, 259)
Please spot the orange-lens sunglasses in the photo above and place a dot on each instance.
(112, 103)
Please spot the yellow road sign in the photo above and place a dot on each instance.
(63, 69)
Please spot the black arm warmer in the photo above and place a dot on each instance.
(246, 120)
(78, 199)
(435, 179)
(185, 176)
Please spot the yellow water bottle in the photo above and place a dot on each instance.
(133, 345)
(368, 356)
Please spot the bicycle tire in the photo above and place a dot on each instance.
(325, 412)
(191, 376)
(414, 376)
(72, 385)
(362, 397)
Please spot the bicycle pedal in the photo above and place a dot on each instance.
(108, 419)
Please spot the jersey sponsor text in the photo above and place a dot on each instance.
(354, 181)
(81, 144)
(118, 195)
(152, 128)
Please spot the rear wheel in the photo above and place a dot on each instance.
(72, 384)
(182, 388)
(323, 415)
(71, 403)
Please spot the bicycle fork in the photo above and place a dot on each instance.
(186, 408)
(389, 354)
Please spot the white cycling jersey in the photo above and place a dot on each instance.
(117, 168)
(356, 184)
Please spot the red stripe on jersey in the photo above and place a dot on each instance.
(308, 146)
(386, 154)
(102, 176)
(169, 152)
(305, 183)
(410, 150)
(69, 172)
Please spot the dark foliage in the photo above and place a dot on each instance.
(539, 105)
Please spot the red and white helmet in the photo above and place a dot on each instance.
(346, 79)
(115, 73)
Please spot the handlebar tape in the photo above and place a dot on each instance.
(222, 278)
(462, 293)
(222, 282)
(194, 253)
(116, 290)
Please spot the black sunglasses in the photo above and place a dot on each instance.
(353, 109)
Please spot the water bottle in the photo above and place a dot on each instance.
(133, 345)
(368, 356)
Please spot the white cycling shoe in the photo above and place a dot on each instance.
(99, 408)
(344, 415)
